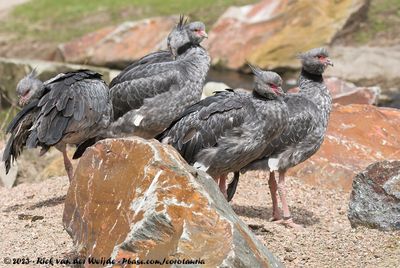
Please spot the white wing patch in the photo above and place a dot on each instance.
(138, 119)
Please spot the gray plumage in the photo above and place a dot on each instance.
(148, 97)
(225, 132)
(163, 55)
(309, 112)
(67, 109)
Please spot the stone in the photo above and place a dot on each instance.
(347, 93)
(135, 198)
(211, 87)
(357, 136)
(375, 197)
(13, 70)
(270, 34)
(117, 46)
(366, 65)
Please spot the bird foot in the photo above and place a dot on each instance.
(275, 218)
(288, 222)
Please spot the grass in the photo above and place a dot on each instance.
(383, 17)
(63, 20)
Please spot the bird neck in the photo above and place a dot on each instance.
(185, 47)
(312, 87)
(268, 96)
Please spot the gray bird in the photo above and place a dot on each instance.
(67, 109)
(229, 130)
(309, 112)
(147, 97)
(162, 55)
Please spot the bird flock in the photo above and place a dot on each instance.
(159, 96)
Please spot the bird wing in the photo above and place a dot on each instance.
(302, 113)
(148, 82)
(129, 72)
(74, 102)
(202, 124)
(20, 129)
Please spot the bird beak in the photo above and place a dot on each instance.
(329, 62)
(203, 34)
(280, 91)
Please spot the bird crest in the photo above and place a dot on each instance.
(182, 22)
(255, 70)
(33, 73)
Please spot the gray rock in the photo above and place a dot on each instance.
(368, 66)
(375, 198)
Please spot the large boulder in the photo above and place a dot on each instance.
(117, 46)
(375, 198)
(357, 136)
(132, 198)
(271, 33)
(12, 70)
(366, 65)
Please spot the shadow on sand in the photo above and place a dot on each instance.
(300, 215)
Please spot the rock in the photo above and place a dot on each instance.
(347, 93)
(375, 198)
(357, 136)
(133, 198)
(271, 33)
(117, 46)
(367, 66)
(211, 87)
(13, 70)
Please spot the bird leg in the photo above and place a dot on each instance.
(222, 185)
(287, 218)
(273, 187)
(67, 162)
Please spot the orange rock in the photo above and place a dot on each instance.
(357, 136)
(272, 32)
(120, 45)
(132, 198)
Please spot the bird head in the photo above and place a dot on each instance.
(185, 34)
(267, 84)
(28, 87)
(196, 32)
(316, 60)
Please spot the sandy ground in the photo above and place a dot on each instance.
(30, 225)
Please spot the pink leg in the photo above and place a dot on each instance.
(222, 185)
(273, 187)
(67, 162)
(287, 218)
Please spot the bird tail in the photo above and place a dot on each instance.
(17, 139)
(8, 154)
(233, 185)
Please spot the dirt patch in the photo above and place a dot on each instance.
(30, 221)
(327, 239)
(31, 225)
